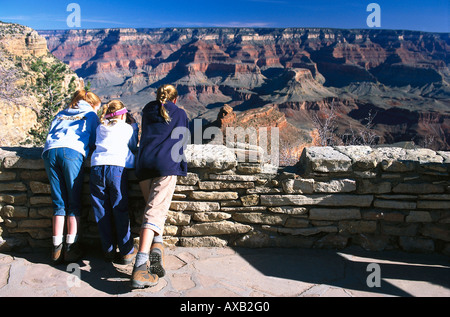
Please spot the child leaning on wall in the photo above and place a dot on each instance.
(116, 142)
(70, 138)
(160, 160)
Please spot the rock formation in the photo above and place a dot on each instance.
(402, 76)
(20, 47)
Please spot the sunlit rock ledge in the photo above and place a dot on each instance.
(313, 159)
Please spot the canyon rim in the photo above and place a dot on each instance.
(255, 77)
(401, 77)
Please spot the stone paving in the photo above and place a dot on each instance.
(229, 273)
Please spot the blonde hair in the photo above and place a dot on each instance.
(111, 107)
(166, 93)
(85, 95)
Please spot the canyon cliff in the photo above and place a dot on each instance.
(400, 77)
(21, 48)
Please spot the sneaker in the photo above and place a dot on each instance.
(142, 278)
(127, 259)
(72, 252)
(57, 253)
(156, 258)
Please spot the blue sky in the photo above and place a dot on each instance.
(423, 15)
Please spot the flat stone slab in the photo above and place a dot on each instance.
(325, 160)
(317, 200)
(21, 157)
(217, 157)
(234, 272)
(349, 158)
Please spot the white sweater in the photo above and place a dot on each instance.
(115, 144)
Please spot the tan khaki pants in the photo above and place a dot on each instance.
(160, 192)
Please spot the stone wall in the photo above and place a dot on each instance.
(377, 198)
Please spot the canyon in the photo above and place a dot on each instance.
(393, 83)
(20, 49)
(399, 77)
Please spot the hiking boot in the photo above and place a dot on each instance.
(156, 258)
(127, 259)
(142, 278)
(57, 254)
(72, 252)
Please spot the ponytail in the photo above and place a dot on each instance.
(109, 111)
(166, 93)
(102, 116)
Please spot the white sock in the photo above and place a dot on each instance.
(141, 258)
(71, 238)
(57, 240)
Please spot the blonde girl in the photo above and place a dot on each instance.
(157, 168)
(116, 142)
(69, 141)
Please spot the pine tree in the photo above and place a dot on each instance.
(52, 95)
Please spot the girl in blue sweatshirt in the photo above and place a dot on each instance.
(71, 135)
(160, 160)
(116, 142)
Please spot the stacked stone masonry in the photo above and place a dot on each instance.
(377, 198)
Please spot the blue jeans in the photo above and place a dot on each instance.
(65, 173)
(109, 196)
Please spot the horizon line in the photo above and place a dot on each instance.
(236, 27)
(229, 27)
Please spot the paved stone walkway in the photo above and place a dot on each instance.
(229, 273)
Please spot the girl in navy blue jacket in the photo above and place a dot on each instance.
(159, 161)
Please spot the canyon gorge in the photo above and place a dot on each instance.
(393, 82)
(401, 78)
